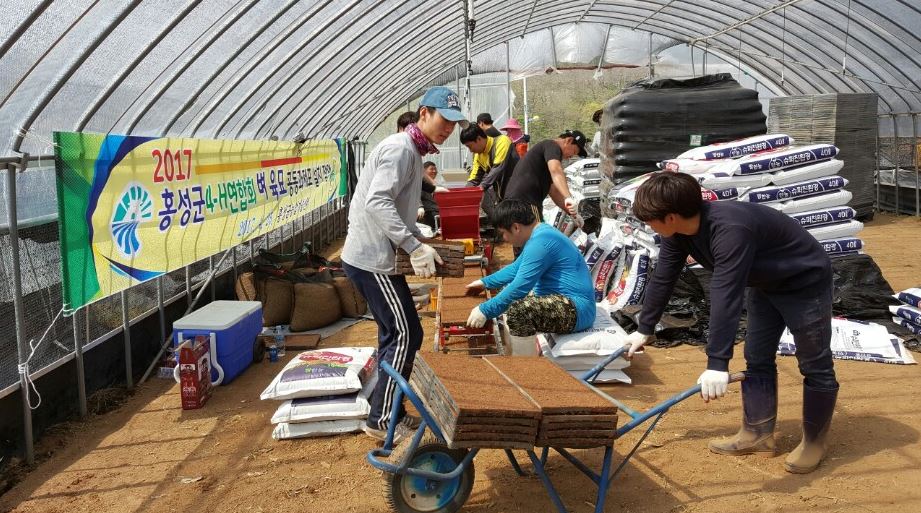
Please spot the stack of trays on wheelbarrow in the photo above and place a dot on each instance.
(451, 253)
(473, 404)
(573, 413)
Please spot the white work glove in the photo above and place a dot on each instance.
(635, 341)
(474, 288)
(571, 206)
(476, 318)
(441, 189)
(713, 384)
(420, 214)
(423, 260)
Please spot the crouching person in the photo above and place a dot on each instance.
(550, 266)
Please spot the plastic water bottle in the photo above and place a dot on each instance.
(273, 353)
(279, 341)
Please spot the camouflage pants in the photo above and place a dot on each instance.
(541, 314)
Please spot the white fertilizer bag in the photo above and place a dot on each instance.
(910, 326)
(738, 148)
(329, 407)
(909, 313)
(603, 338)
(799, 174)
(287, 431)
(836, 231)
(629, 288)
(724, 180)
(334, 371)
(689, 166)
(777, 160)
(824, 216)
(792, 191)
(911, 297)
(843, 246)
(831, 199)
(858, 340)
(729, 193)
(582, 361)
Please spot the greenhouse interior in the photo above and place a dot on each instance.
(264, 255)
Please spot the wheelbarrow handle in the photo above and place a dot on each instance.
(735, 377)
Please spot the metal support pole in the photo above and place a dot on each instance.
(78, 360)
(527, 111)
(508, 81)
(878, 123)
(211, 270)
(915, 143)
(21, 343)
(161, 310)
(188, 284)
(126, 329)
(895, 148)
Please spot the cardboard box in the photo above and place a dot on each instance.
(195, 372)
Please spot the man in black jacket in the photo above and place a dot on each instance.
(789, 282)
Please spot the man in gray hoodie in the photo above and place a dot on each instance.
(382, 218)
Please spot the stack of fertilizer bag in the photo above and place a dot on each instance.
(584, 178)
(800, 181)
(325, 392)
(908, 314)
(580, 352)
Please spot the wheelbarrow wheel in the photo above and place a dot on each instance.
(411, 494)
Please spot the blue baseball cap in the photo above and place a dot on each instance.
(446, 102)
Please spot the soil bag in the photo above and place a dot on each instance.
(832, 199)
(796, 190)
(738, 148)
(911, 297)
(335, 371)
(799, 174)
(327, 407)
(777, 160)
(825, 216)
(836, 231)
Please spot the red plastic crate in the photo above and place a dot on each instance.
(460, 212)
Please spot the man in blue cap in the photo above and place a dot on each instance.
(382, 219)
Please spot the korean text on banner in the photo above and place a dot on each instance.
(134, 208)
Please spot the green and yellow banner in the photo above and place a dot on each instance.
(133, 208)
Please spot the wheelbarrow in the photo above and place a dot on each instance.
(424, 474)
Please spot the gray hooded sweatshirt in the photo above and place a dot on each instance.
(382, 214)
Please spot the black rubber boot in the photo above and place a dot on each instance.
(759, 415)
(818, 408)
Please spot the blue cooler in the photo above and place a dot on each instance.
(235, 326)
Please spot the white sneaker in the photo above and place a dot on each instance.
(399, 433)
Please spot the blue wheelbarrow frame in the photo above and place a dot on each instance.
(601, 479)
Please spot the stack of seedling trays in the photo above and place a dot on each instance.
(451, 253)
(473, 404)
(452, 309)
(573, 413)
(512, 402)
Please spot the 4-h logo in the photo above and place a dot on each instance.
(134, 207)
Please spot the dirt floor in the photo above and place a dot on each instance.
(150, 456)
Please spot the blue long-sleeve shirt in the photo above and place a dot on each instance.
(549, 263)
(745, 245)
